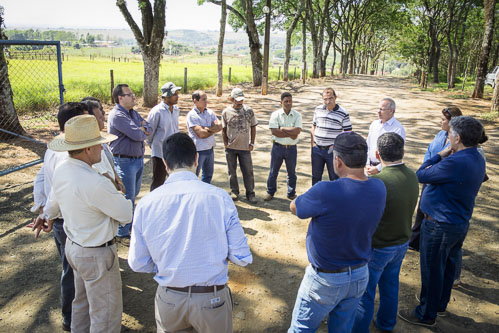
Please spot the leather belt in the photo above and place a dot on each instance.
(285, 146)
(125, 156)
(323, 147)
(198, 289)
(429, 218)
(341, 270)
(109, 243)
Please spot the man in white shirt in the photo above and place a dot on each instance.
(385, 123)
(92, 208)
(185, 232)
(163, 119)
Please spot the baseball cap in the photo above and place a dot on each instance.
(237, 94)
(350, 142)
(169, 89)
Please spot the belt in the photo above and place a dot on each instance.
(125, 156)
(429, 218)
(323, 147)
(341, 270)
(111, 242)
(285, 146)
(198, 289)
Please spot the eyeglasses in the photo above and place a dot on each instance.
(131, 95)
(328, 99)
(381, 109)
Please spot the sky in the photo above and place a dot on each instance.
(99, 14)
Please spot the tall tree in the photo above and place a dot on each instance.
(8, 116)
(150, 41)
(456, 29)
(293, 13)
(220, 74)
(482, 66)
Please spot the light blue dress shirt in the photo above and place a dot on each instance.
(438, 144)
(186, 231)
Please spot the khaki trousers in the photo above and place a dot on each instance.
(98, 302)
(195, 312)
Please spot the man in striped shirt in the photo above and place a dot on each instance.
(330, 119)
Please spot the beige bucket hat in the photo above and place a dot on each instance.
(80, 132)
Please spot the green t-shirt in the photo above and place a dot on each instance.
(402, 190)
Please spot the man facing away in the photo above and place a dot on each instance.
(202, 124)
(185, 232)
(239, 132)
(285, 125)
(329, 121)
(391, 239)
(128, 150)
(386, 122)
(163, 119)
(453, 178)
(92, 208)
(345, 214)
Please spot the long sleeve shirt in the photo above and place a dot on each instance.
(89, 202)
(186, 231)
(438, 144)
(163, 122)
(453, 185)
(126, 126)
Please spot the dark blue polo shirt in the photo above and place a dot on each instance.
(345, 214)
(453, 185)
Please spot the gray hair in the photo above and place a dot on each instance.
(391, 102)
(469, 130)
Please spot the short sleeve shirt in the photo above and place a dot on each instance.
(238, 124)
(329, 124)
(205, 119)
(280, 119)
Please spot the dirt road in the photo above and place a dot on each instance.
(264, 292)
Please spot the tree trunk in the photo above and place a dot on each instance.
(334, 60)
(481, 69)
(289, 34)
(495, 98)
(8, 116)
(254, 43)
(220, 74)
(304, 45)
(151, 78)
(495, 59)
(435, 63)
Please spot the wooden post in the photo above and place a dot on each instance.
(185, 80)
(112, 85)
(279, 76)
(230, 73)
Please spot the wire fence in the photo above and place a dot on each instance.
(31, 91)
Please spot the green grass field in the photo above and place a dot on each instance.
(35, 83)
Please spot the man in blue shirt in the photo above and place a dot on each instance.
(345, 214)
(185, 232)
(128, 150)
(453, 178)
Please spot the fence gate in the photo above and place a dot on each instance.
(31, 91)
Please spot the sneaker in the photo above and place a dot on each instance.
(439, 314)
(268, 197)
(234, 196)
(409, 316)
(457, 284)
(252, 199)
(292, 197)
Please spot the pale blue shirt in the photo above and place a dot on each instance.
(163, 123)
(204, 119)
(186, 231)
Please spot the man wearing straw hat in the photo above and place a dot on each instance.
(92, 209)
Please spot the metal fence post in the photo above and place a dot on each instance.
(112, 85)
(59, 69)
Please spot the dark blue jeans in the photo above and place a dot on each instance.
(278, 155)
(439, 252)
(206, 163)
(384, 269)
(130, 171)
(319, 158)
(67, 279)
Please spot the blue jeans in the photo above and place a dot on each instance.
(439, 252)
(130, 171)
(384, 269)
(278, 155)
(319, 158)
(334, 295)
(206, 162)
(67, 278)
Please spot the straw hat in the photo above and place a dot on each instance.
(80, 132)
